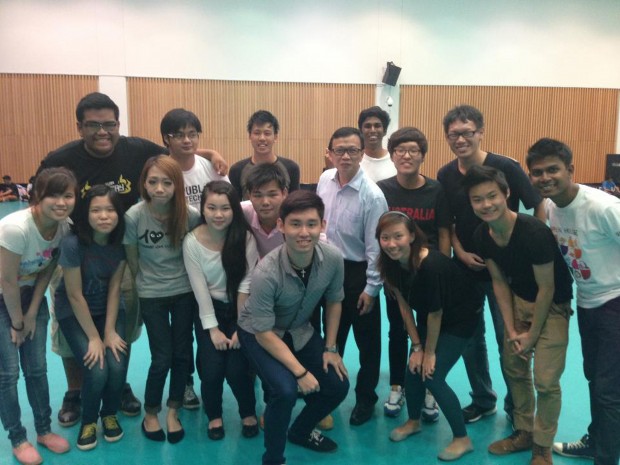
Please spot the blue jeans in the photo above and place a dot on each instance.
(101, 388)
(600, 343)
(168, 322)
(476, 357)
(218, 365)
(448, 351)
(31, 356)
(282, 388)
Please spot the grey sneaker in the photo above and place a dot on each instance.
(430, 411)
(190, 399)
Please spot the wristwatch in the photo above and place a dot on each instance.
(416, 347)
(333, 349)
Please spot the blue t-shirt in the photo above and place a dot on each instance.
(97, 264)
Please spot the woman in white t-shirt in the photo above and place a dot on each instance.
(219, 256)
(29, 241)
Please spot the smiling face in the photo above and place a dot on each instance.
(488, 201)
(552, 178)
(301, 230)
(395, 240)
(217, 211)
(159, 186)
(407, 158)
(263, 138)
(266, 200)
(58, 207)
(464, 147)
(373, 132)
(102, 216)
(100, 131)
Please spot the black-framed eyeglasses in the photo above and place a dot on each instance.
(179, 136)
(96, 126)
(401, 151)
(453, 136)
(352, 151)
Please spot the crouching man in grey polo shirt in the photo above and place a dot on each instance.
(276, 334)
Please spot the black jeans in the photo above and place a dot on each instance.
(600, 343)
(219, 365)
(366, 330)
(398, 341)
(168, 322)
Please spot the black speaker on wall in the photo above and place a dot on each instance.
(612, 168)
(391, 74)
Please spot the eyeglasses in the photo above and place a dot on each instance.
(453, 136)
(96, 126)
(413, 153)
(352, 151)
(179, 136)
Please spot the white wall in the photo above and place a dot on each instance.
(574, 43)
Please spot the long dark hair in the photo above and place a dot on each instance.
(234, 261)
(390, 269)
(81, 226)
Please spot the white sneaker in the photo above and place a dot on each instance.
(430, 411)
(395, 402)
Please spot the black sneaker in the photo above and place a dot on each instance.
(71, 409)
(190, 399)
(130, 405)
(583, 448)
(87, 439)
(472, 413)
(315, 441)
(112, 431)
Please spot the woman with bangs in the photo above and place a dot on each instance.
(220, 255)
(29, 242)
(155, 228)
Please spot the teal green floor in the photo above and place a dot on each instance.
(366, 444)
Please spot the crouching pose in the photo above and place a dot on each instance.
(533, 289)
(448, 307)
(276, 334)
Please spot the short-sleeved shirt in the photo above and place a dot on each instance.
(196, 177)
(19, 234)
(588, 233)
(120, 170)
(427, 205)
(531, 243)
(440, 284)
(239, 171)
(280, 302)
(97, 264)
(378, 169)
(161, 270)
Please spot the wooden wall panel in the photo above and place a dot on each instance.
(515, 117)
(38, 115)
(308, 113)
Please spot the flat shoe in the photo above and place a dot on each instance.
(448, 456)
(157, 436)
(176, 436)
(398, 436)
(217, 433)
(249, 431)
(54, 442)
(26, 454)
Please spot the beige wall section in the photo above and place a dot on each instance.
(515, 117)
(308, 113)
(38, 115)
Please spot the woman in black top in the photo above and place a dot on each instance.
(448, 308)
